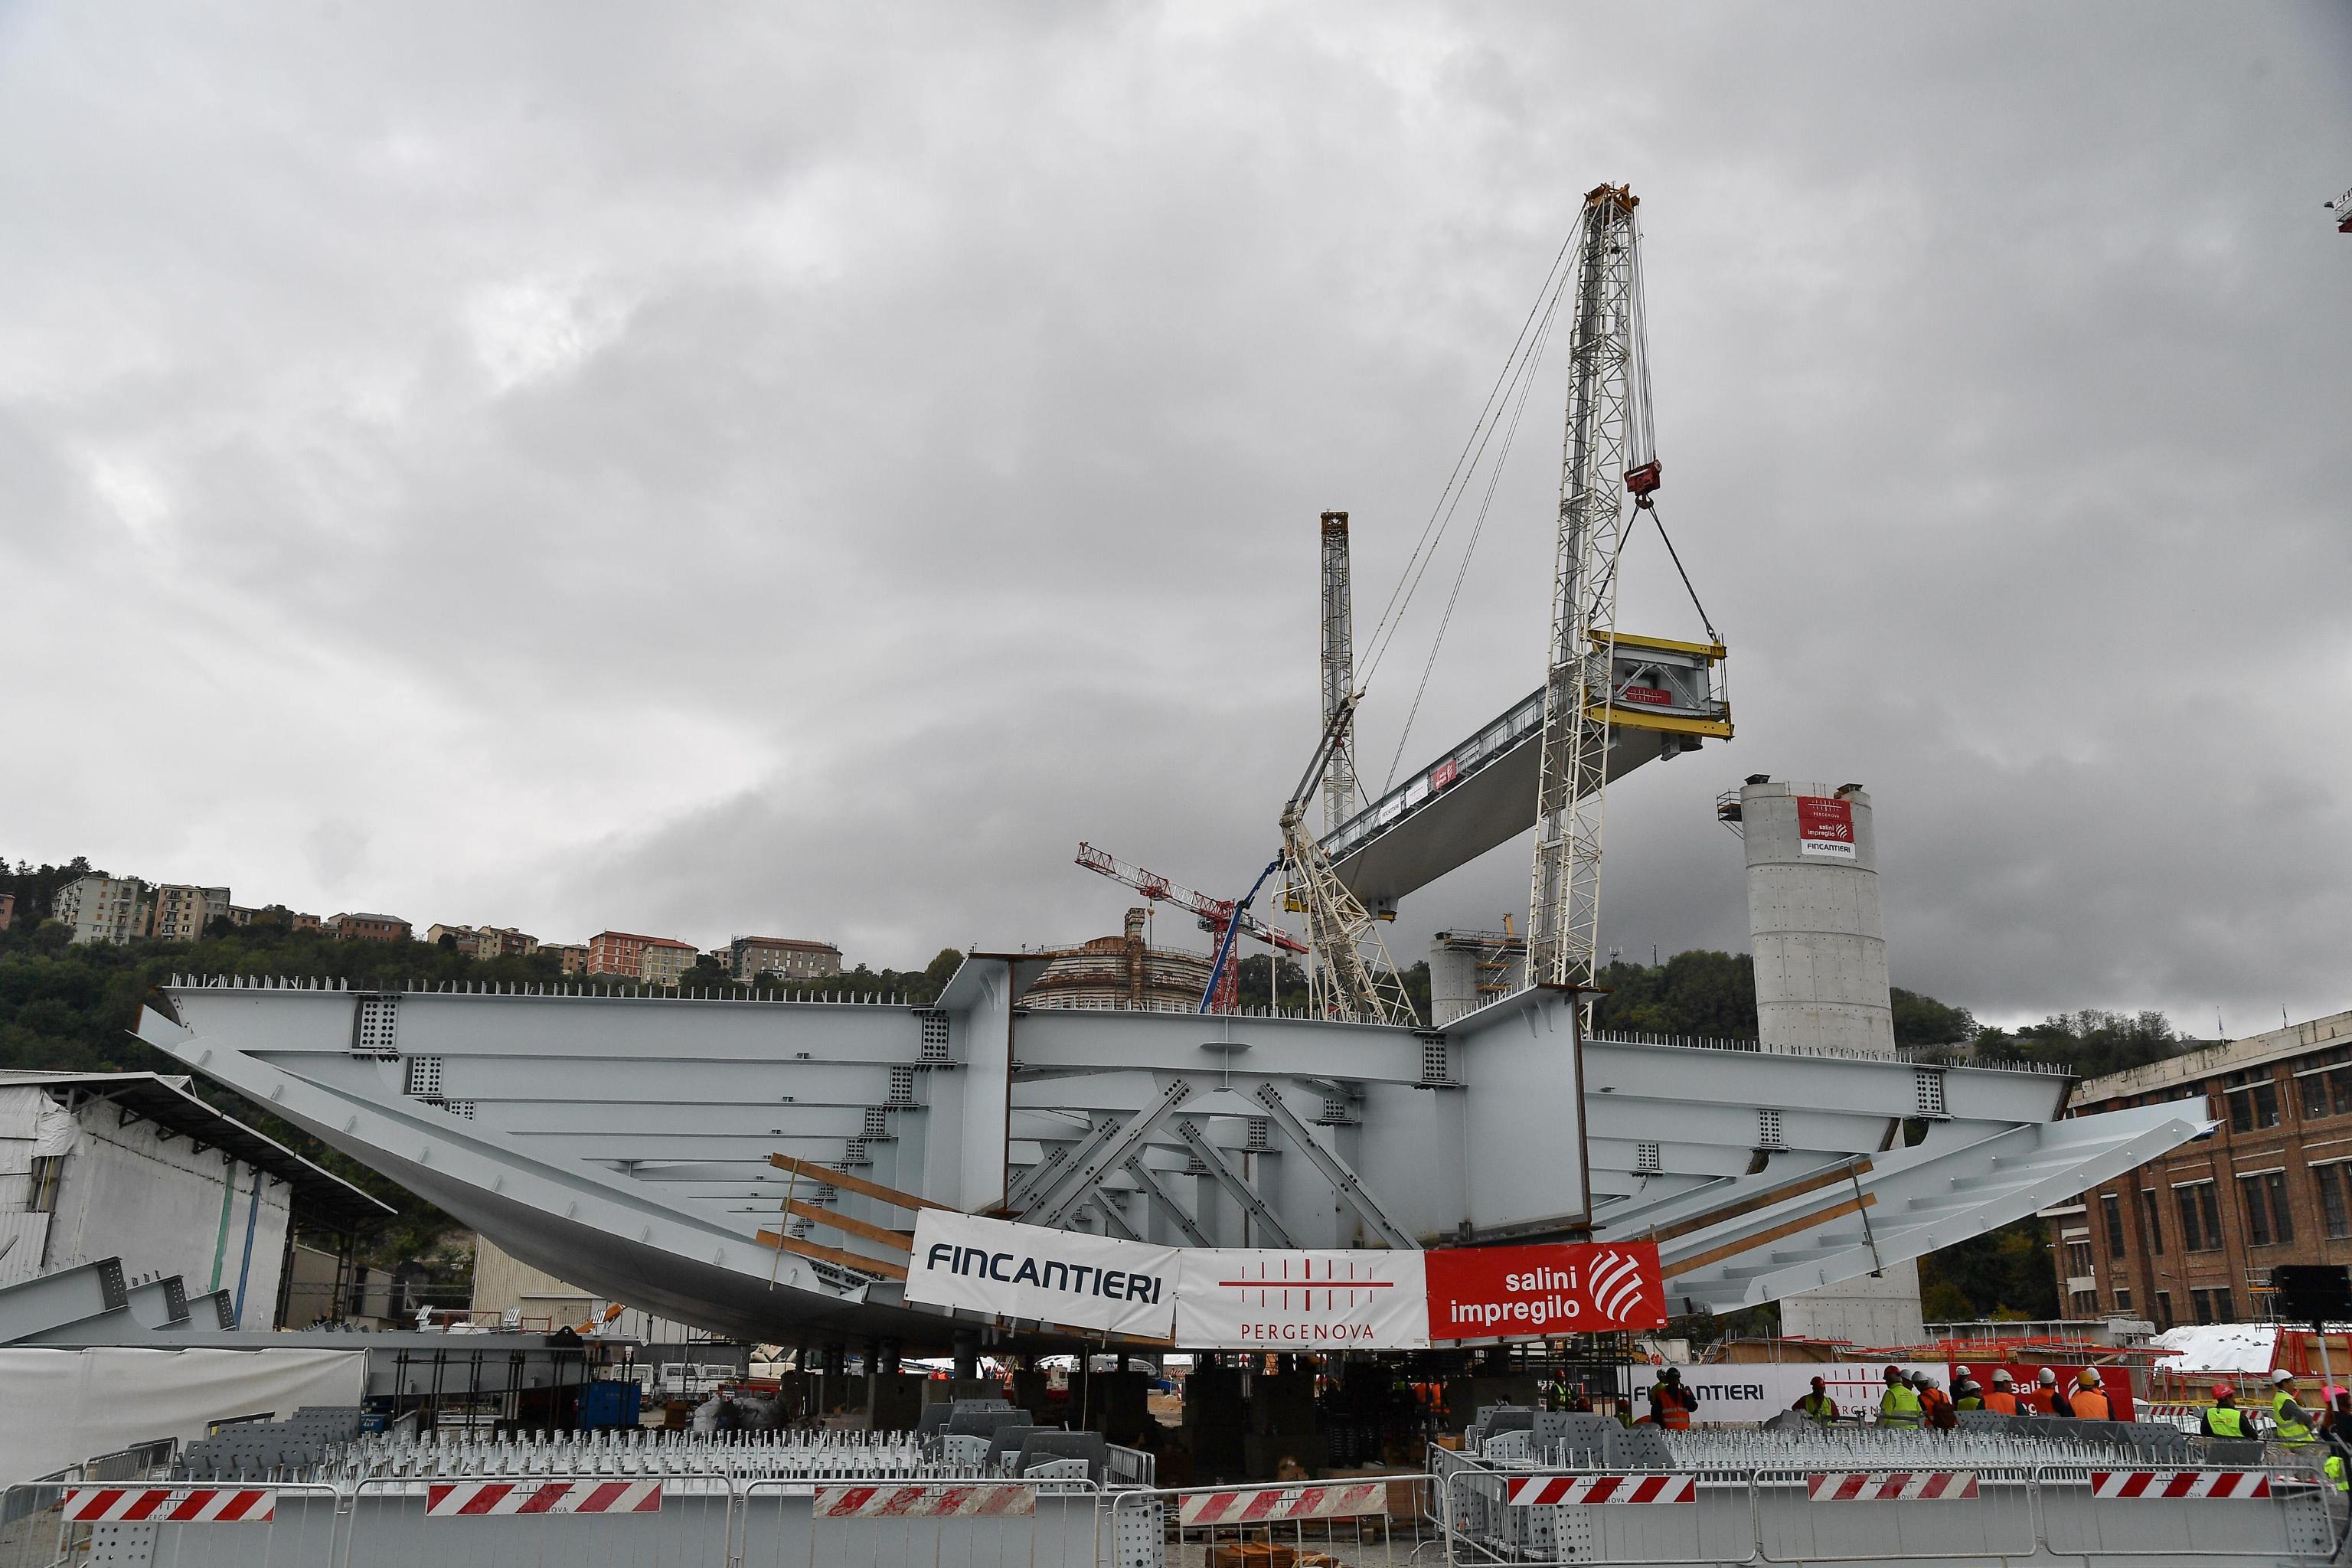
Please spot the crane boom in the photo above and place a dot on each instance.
(1214, 914)
(1610, 452)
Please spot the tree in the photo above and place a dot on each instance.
(1924, 1021)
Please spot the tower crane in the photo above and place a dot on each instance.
(1339, 668)
(1218, 917)
(1610, 454)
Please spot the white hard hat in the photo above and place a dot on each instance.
(1960, 1372)
(2047, 1378)
(2282, 1375)
(2001, 1376)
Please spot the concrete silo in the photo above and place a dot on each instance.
(1821, 982)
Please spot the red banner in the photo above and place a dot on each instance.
(1531, 1292)
(1824, 827)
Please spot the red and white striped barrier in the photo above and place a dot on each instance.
(1265, 1505)
(174, 1505)
(1890, 1486)
(970, 1499)
(1543, 1492)
(476, 1500)
(2180, 1484)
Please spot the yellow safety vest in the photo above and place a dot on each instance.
(2293, 1433)
(2227, 1421)
(2335, 1468)
(1898, 1406)
(1821, 1408)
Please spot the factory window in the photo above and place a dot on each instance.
(2083, 1304)
(2123, 1298)
(2333, 1212)
(2111, 1209)
(2151, 1215)
(2201, 1217)
(2078, 1259)
(2325, 1086)
(2164, 1309)
(2212, 1306)
(2253, 1100)
(2269, 1221)
(46, 1170)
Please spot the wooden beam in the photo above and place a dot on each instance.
(1766, 1199)
(1692, 1265)
(898, 1240)
(849, 1184)
(832, 1255)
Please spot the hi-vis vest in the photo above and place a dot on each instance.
(2227, 1421)
(2001, 1402)
(2290, 1432)
(2335, 1468)
(1819, 1406)
(1898, 1406)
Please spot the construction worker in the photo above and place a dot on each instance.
(2090, 1400)
(2292, 1424)
(1672, 1405)
(1967, 1395)
(2224, 1419)
(2048, 1398)
(1899, 1405)
(1818, 1404)
(2002, 1400)
(1935, 1404)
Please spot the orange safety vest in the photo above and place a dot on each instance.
(2090, 1404)
(1672, 1412)
(2006, 1404)
(2038, 1401)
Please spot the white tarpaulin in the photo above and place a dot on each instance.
(1027, 1272)
(1235, 1299)
(71, 1405)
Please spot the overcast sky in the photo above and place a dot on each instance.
(799, 470)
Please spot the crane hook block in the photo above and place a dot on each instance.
(1641, 482)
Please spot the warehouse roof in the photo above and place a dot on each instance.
(319, 1194)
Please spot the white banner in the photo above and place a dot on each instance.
(1235, 1299)
(1027, 1272)
(1758, 1391)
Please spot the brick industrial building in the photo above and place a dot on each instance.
(656, 959)
(2192, 1238)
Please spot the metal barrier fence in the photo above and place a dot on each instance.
(1492, 1513)
(1465, 1510)
(1384, 1521)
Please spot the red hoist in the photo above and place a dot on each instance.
(1216, 917)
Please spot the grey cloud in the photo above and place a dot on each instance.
(808, 467)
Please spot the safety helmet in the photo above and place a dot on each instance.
(2046, 1378)
(2001, 1377)
(2089, 1377)
(1960, 1371)
(2224, 1391)
(1894, 1374)
(1821, 1382)
(2282, 1376)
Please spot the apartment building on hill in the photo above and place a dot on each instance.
(626, 955)
(749, 957)
(2192, 1238)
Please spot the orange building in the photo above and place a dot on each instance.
(656, 959)
(368, 928)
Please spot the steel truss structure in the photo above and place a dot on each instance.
(624, 1142)
(1607, 445)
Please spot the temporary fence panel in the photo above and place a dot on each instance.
(579, 1521)
(980, 1521)
(2281, 1512)
(1870, 1516)
(185, 1525)
(1386, 1522)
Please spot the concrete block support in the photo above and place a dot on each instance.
(1813, 918)
(1820, 948)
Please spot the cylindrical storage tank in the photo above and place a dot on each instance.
(1813, 917)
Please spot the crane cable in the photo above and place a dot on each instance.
(1449, 500)
(1650, 505)
(1493, 477)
